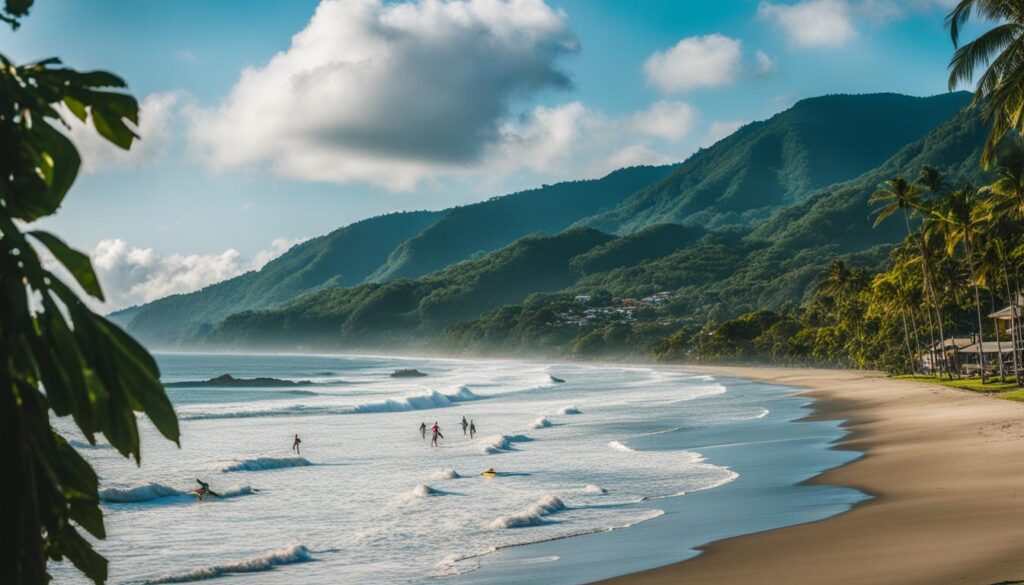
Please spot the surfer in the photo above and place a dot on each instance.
(465, 425)
(295, 445)
(423, 430)
(435, 432)
(472, 429)
(204, 489)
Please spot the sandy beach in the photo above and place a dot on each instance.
(946, 468)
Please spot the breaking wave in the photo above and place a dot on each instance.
(263, 464)
(420, 401)
(568, 410)
(595, 490)
(423, 491)
(156, 491)
(540, 423)
(446, 474)
(266, 562)
(621, 447)
(532, 515)
(139, 493)
(500, 443)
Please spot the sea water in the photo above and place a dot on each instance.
(613, 469)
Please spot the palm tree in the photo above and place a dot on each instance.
(957, 219)
(898, 194)
(1000, 51)
(886, 290)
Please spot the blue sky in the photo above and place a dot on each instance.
(435, 104)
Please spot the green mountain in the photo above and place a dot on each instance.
(382, 313)
(384, 248)
(344, 257)
(791, 192)
(735, 270)
(772, 164)
(472, 230)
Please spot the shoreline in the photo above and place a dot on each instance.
(944, 467)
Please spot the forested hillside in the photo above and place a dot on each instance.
(768, 165)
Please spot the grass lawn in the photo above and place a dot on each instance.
(974, 385)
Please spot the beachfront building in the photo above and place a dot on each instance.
(1008, 321)
(943, 352)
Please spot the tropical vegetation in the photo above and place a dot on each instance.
(57, 357)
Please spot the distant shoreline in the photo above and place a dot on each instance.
(946, 468)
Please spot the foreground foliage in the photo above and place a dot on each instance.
(57, 355)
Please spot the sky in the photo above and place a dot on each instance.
(267, 122)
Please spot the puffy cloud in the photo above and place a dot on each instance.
(831, 23)
(670, 120)
(156, 116)
(709, 61)
(813, 23)
(130, 275)
(389, 94)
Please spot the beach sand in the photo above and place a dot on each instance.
(946, 468)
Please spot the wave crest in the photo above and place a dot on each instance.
(532, 515)
(499, 443)
(293, 554)
(263, 464)
(540, 423)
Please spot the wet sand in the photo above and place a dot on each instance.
(945, 467)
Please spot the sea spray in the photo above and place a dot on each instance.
(531, 515)
(500, 443)
(263, 464)
(293, 554)
(540, 423)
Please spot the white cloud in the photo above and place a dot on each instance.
(764, 63)
(389, 94)
(277, 247)
(156, 116)
(694, 62)
(130, 275)
(832, 23)
(670, 120)
(813, 23)
(722, 128)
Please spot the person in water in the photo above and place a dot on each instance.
(472, 429)
(465, 425)
(204, 489)
(423, 430)
(435, 432)
(295, 445)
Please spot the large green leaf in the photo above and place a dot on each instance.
(77, 263)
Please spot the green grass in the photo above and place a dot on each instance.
(972, 384)
(1015, 395)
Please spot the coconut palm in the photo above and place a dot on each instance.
(957, 218)
(999, 91)
(899, 195)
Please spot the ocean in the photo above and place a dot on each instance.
(599, 470)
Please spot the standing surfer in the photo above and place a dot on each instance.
(423, 430)
(465, 425)
(295, 444)
(472, 429)
(204, 489)
(435, 432)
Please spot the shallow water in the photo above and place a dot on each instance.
(370, 501)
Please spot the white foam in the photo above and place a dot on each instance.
(540, 423)
(263, 464)
(425, 400)
(422, 491)
(594, 490)
(500, 443)
(568, 410)
(531, 515)
(621, 447)
(156, 491)
(139, 493)
(266, 562)
(446, 474)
